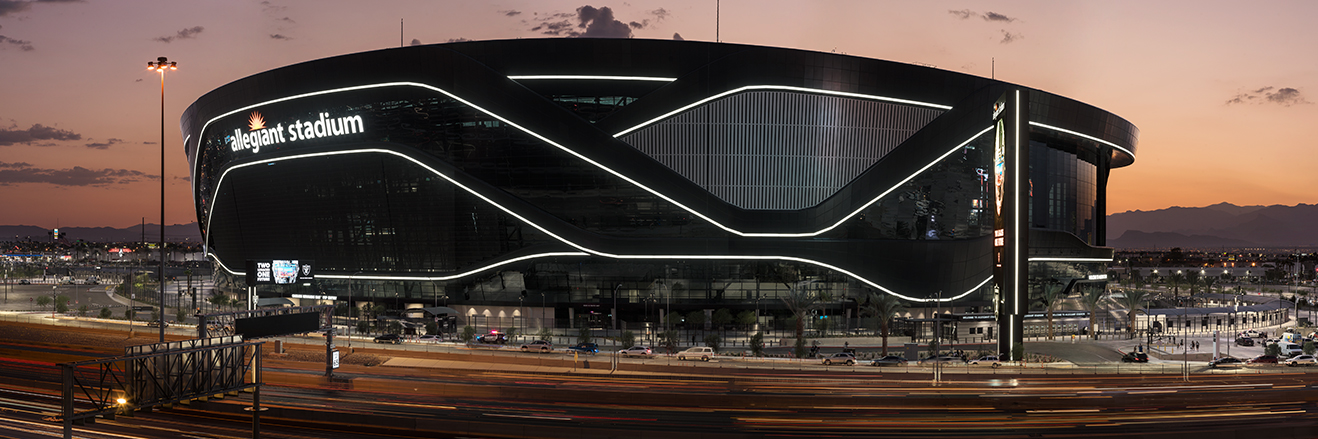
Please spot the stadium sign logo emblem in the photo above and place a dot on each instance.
(258, 134)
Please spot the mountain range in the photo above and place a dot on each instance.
(1219, 225)
(174, 233)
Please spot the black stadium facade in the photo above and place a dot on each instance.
(571, 177)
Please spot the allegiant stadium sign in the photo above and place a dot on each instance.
(259, 135)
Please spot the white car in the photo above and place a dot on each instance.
(987, 360)
(636, 351)
(1251, 334)
(429, 338)
(840, 357)
(1302, 360)
(702, 353)
(538, 346)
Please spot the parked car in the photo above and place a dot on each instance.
(24, 282)
(840, 357)
(1244, 341)
(1290, 349)
(1135, 357)
(1302, 360)
(703, 353)
(538, 346)
(942, 359)
(990, 360)
(389, 338)
(1251, 334)
(430, 338)
(891, 360)
(1226, 363)
(1263, 359)
(493, 338)
(584, 348)
(157, 323)
(636, 351)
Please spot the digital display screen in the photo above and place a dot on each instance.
(279, 272)
(284, 271)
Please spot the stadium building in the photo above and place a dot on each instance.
(604, 179)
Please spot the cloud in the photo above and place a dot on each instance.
(16, 173)
(660, 14)
(510, 13)
(23, 45)
(105, 145)
(11, 135)
(185, 178)
(589, 22)
(677, 36)
(184, 34)
(280, 37)
(1285, 96)
(965, 14)
(13, 7)
(149, 143)
(1008, 37)
(138, 80)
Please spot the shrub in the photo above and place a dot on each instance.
(468, 332)
(583, 335)
(713, 341)
(628, 339)
(757, 344)
(545, 334)
(105, 312)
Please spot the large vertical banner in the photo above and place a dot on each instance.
(1011, 230)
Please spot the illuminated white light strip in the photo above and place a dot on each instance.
(219, 183)
(1127, 151)
(611, 171)
(596, 77)
(779, 87)
(1016, 207)
(1046, 259)
(432, 278)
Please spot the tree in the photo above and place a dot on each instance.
(468, 332)
(62, 304)
(363, 327)
(800, 301)
(180, 314)
(1308, 348)
(1091, 298)
(1134, 301)
(43, 301)
(544, 334)
(883, 307)
(1050, 295)
(628, 339)
(583, 335)
(105, 312)
(1192, 280)
(695, 319)
(713, 341)
(1175, 281)
(1272, 349)
(129, 314)
(721, 318)
(757, 344)
(82, 310)
(668, 339)
(746, 319)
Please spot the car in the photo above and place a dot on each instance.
(389, 338)
(702, 353)
(1244, 341)
(991, 360)
(890, 360)
(430, 338)
(1302, 360)
(1226, 363)
(157, 323)
(538, 346)
(942, 359)
(1290, 349)
(1263, 359)
(493, 338)
(1251, 334)
(636, 351)
(24, 282)
(584, 348)
(1135, 357)
(840, 357)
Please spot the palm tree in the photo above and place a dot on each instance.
(1175, 280)
(1192, 279)
(1208, 282)
(1134, 301)
(1091, 297)
(1051, 295)
(885, 307)
(800, 300)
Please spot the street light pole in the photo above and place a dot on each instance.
(160, 65)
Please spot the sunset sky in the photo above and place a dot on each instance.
(1223, 92)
